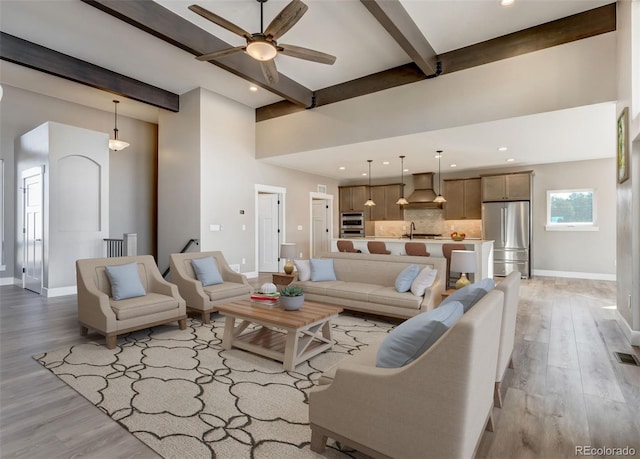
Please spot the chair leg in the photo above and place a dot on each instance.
(84, 331)
(206, 317)
(318, 441)
(497, 395)
(490, 426)
(111, 341)
(511, 362)
(182, 323)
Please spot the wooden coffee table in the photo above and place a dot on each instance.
(290, 337)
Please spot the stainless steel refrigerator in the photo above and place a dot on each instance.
(508, 224)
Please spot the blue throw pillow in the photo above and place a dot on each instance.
(125, 281)
(413, 337)
(471, 294)
(206, 270)
(406, 278)
(322, 269)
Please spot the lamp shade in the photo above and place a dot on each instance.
(288, 250)
(463, 261)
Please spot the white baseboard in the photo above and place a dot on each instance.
(632, 335)
(251, 275)
(574, 275)
(10, 281)
(59, 291)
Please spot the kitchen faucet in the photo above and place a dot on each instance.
(411, 229)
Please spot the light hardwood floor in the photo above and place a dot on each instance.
(566, 388)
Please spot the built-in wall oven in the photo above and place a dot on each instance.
(352, 224)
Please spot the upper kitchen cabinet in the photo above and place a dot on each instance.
(507, 187)
(385, 197)
(463, 199)
(352, 198)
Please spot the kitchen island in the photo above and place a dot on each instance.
(484, 249)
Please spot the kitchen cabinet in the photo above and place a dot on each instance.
(385, 197)
(507, 187)
(464, 199)
(352, 198)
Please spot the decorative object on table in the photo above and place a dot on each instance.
(283, 278)
(463, 262)
(458, 236)
(288, 251)
(268, 287)
(265, 299)
(116, 144)
(369, 202)
(402, 201)
(623, 145)
(439, 198)
(291, 297)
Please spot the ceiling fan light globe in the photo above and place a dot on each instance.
(261, 50)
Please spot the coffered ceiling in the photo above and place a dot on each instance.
(343, 28)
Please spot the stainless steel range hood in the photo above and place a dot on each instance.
(423, 194)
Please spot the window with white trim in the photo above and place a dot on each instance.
(571, 210)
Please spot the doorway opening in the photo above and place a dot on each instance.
(269, 227)
(32, 230)
(321, 223)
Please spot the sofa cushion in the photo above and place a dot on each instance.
(423, 281)
(406, 278)
(304, 269)
(413, 337)
(140, 306)
(351, 290)
(125, 281)
(206, 270)
(322, 269)
(318, 288)
(470, 294)
(389, 296)
(226, 290)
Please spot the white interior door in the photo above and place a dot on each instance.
(320, 226)
(32, 231)
(268, 232)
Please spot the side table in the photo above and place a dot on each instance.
(283, 278)
(446, 293)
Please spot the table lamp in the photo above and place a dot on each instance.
(463, 262)
(288, 252)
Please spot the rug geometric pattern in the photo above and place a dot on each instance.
(183, 395)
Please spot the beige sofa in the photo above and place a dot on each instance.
(510, 286)
(98, 310)
(436, 406)
(366, 283)
(202, 300)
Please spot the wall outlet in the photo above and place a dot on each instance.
(404, 227)
(244, 261)
(215, 227)
(299, 227)
(244, 227)
(300, 254)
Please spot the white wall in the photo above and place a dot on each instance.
(133, 171)
(578, 73)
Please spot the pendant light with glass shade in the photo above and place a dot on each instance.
(369, 201)
(116, 144)
(439, 198)
(402, 201)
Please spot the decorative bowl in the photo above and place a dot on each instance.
(458, 238)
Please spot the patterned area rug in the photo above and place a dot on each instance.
(185, 396)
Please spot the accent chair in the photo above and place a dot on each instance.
(97, 309)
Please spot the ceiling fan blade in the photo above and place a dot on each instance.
(270, 71)
(222, 22)
(221, 53)
(306, 53)
(286, 19)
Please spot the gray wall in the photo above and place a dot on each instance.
(133, 171)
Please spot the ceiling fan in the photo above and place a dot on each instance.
(262, 46)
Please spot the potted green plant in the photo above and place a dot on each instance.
(291, 297)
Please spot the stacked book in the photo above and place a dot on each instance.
(269, 300)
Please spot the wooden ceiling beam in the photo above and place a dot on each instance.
(170, 27)
(27, 54)
(576, 27)
(397, 22)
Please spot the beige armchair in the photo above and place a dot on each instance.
(203, 300)
(99, 311)
(510, 286)
(436, 406)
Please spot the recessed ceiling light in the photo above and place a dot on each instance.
(506, 2)
(253, 88)
(405, 170)
(453, 165)
(510, 160)
(437, 156)
(342, 168)
(386, 163)
(502, 148)
(364, 174)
